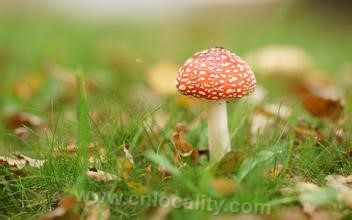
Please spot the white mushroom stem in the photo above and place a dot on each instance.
(218, 132)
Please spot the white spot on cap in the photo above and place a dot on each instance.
(182, 87)
(229, 91)
(233, 79)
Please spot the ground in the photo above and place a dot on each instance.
(97, 110)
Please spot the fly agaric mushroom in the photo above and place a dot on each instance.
(216, 75)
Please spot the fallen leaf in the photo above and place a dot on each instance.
(323, 107)
(12, 162)
(67, 78)
(283, 60)
(303, 130)
(224, 186)
(180, 142)
(30, 161)
(72, 148)
(312, 197)
(162, 76)
(290, 214)
(320, 96)
(21, 161)
(96, 211)
(164, 173)
(258, 96)
(323, 214)
(28, 86)
(164, 162)
(97, 153)
(343, 187)
(128, 155)
(100, 176)
(276, 110)
(64, 211)
(264, 118)
(162, 212)
(21, 123)
(124, 167)
(274, 172)
(259, 124)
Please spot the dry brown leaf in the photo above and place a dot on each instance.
(265, 117)
(100, 176)
(322, 107)
(21, 123)
(96, 211)
(19, 164)
(96, 152)
(137, 187)
(286, 191)
(303, 129)
(70, 149)
(182, 147)
(164, 173)
(128, 155)
(342, 185)
(240, 217)
(180, 142)
(290, 214)
(283, 60)
(28, 86)
(67, 77)
(64, 211)
(274, 172)
(161, 213)
(320, 96)
(307, 207)
(30, 161)
(224, 186)
(257, 96)
(161, 77)
(21, 161)
(124, 167)
(322, 214)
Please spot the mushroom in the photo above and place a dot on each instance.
(216, 75)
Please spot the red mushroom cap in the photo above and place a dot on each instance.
(215, 74)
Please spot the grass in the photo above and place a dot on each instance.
(127, 109)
